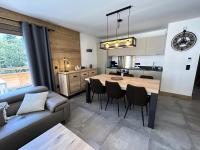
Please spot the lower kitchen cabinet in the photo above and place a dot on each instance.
(73, 82)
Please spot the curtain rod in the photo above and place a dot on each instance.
(20, 22)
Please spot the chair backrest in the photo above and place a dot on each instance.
(136, 95)
(113, 89)
(96, 86)
(129, 75)
(146, 77)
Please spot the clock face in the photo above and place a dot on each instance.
(184, 41)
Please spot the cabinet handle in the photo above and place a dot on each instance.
(84, 74)
(74, 76)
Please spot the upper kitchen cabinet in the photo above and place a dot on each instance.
(155, 45)
(122, 51)
(144, 46)
(140, 48)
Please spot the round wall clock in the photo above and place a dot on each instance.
(184, 41)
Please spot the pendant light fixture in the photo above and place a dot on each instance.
(122, 42)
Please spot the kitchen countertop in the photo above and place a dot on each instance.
(75, 71)
(135, 69)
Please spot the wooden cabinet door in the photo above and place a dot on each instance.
(63, 84)
(84, 75)
(155, 45)
(74, 82)
(92, 72)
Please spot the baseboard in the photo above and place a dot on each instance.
(176, 95)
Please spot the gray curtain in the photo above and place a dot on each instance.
(39, 54)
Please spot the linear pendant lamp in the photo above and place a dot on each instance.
(118, 42)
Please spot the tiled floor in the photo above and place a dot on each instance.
(177, 125)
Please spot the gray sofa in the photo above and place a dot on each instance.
(19, 130)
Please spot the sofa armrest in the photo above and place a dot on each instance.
(55, 102)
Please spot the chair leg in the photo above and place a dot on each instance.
(107, 103)
(142, 115)
(118, 106)
(126, 111)
(147, 109)
(125, 101)
(111, 100)
(100, 101)
(92, 95)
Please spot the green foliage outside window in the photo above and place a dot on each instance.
(12, 53)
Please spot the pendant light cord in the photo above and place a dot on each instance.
(129, 20)
(107, 28)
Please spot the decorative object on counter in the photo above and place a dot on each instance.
(119, 43)
(90, 66)
(77, 68)
(83, 67)
(116, 78)
(66, 64)
(184, 40)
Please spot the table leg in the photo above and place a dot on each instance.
(88, 98)
(152, 110)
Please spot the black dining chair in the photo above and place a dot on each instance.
(97, 88)
(146, 77)
(114, 91)
(136, 96)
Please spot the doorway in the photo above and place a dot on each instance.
(196, 88)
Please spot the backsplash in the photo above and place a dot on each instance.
(158, 60)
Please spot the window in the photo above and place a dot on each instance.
(14, 70)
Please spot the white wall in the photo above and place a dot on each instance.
(175, 79)
(88, 42)
(143, 34)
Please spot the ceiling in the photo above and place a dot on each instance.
(88, 16)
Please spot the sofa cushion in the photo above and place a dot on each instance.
(17, 123)
(33, 102)
(18, 95)
(54, 100)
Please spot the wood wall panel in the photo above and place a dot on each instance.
(64, 42)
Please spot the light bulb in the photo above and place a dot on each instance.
(107, 46)
(116, 44)
(128, 43)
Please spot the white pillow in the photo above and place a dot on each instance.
(33, 102)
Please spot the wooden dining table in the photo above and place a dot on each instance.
(152, 87)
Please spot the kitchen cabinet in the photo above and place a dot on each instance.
(140, 49)
(122, 51)
(154, 45)
(73, 82)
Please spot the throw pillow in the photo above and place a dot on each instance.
(33, 102)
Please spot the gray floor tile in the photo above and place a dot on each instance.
(78, 117)
(97, 129)
(172, 135)
(126, 139)
(155, 145)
